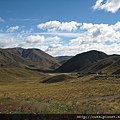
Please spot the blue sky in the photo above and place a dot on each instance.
(61, 27)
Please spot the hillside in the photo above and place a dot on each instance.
(19, 57)
(37, 60)
(82, 61)
(109, 65)
(19, 75)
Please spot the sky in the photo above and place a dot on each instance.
(61, 27)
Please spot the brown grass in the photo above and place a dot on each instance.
(75, 96)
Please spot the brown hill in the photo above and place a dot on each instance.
(82, 61)
(19, 75)
(9, 59)
(19, 57)
(109, 65)
(57, 78)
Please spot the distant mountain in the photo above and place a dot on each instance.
(82, 61)
(19, 57)
(63, 59)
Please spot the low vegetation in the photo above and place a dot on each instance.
(78, 95)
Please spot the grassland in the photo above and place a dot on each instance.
(87, 94)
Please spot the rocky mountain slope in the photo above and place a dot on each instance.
(19, 57)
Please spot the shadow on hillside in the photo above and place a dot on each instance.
(39, 70)
(57, 78)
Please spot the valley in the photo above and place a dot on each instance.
(31, 81)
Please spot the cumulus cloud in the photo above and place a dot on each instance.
(96, 33)
(13, 29)
(1, 20)
(76, 41)
(95, 36)
(35, 39)
(89, 36)
(62, 26)
(117, 26)
(41, 39)
(69, 26)
(101, 32)
(53, 39)
(49, 25)
(8, 41)
(59, 49)
(109, 5)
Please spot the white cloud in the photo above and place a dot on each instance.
(62, 34)
(101, 32)
(8, 40)
(109, 5)
(76, 41)
(35, 39)
(3, 43)
(13, 29)
(95, 36)
(102, 37)
(23, 20)
(61, 50)
(1, 20)
(42, 39)
(53, 39)
(117, 26)
(69, 26)
(62, 26)
(49, 25)
(97, 4)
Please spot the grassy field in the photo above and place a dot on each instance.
(86, 95)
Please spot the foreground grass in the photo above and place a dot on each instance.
(76, 96)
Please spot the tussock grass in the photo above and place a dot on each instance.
(75, 96)
(19, 74)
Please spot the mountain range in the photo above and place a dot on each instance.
(35, 59)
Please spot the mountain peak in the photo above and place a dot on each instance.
(82, 61)
(26, 57)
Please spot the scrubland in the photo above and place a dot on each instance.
(85, 95)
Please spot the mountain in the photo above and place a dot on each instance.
(109, 65)
(37, 60)
(63, 59)
(82, 61)
(19, 57)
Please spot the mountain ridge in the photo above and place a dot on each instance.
(26, 57)
(82, 60)
(91, 62)
(35, 59)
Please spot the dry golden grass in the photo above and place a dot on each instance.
(99, 94)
